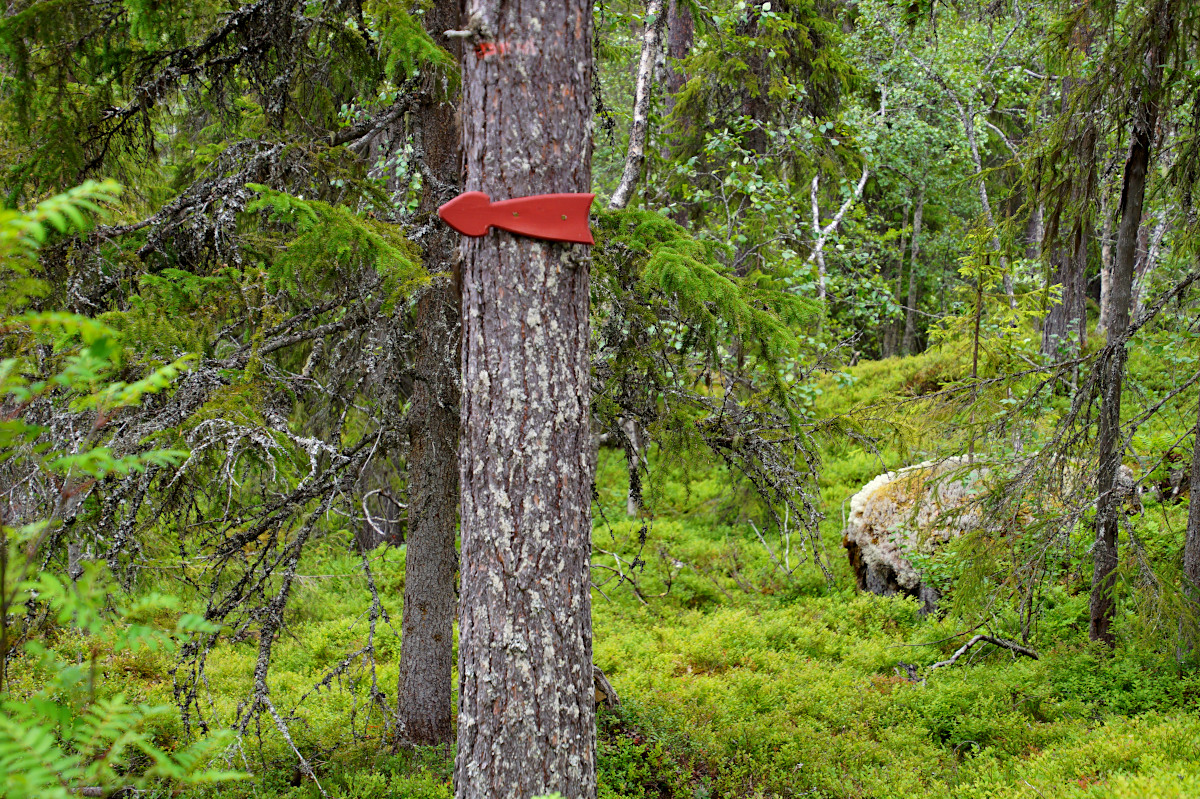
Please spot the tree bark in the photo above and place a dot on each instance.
(1070, 314)
(1034, 232)
(892, 334)
(1112, 365)
(424, 698)
(1146, 262)
(1191, 547)
(635, 159)
(635, 154)
(526, 722)
(1106, 265)
(822, 234)
(431, 562)
(909, 345)
(680, 33)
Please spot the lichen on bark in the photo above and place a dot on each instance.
(526, 709)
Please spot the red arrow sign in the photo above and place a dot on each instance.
(555, 217)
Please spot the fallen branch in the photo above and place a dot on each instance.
(991, 639)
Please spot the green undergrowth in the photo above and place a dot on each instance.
(737, 678)
(807, 697)
(763, 684)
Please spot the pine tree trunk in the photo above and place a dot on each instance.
(680, 32)
(1065, 325)
(427, 630)
(526, 723)
(424, 697)
(909, 345)
(1070, 315)
(1191, 547)
(1108, 440)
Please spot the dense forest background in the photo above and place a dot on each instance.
(833, 240)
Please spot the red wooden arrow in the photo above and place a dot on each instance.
(555, 217)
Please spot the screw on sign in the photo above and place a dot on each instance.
(554, 217)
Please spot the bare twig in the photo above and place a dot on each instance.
(991, 639)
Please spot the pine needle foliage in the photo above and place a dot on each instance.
(681, 277)
(716, 305)
(695, 356)
(328, 240)
(23, 232)
(771, 56)
(109, 86)
(259, 267)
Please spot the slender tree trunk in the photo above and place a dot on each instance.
(427, 630)
(822, 234)
(633, 457)
(756, 104)
(1034, 231)
(975, 363)
(635, 158)
(680, 33)
(1077, 321)
(424, 699)
(909, 346)
(1070, 314)
(1191, 547)
(3, 603)
(1146, 263)
(635, 155)
(1108, 439)
(892, 334)
(526, 723)
(967, 116)
(1106, 264)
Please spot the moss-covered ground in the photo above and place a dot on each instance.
(737, 679)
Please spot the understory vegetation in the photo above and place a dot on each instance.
(736, 678)
(886, 358)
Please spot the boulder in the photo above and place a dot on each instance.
(912, 512)
(906, 512)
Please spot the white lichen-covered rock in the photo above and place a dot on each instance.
(900, 514)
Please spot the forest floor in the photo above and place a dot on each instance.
(741, 681)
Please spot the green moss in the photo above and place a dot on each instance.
(736, 680)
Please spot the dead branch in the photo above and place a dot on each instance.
(990, 639)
